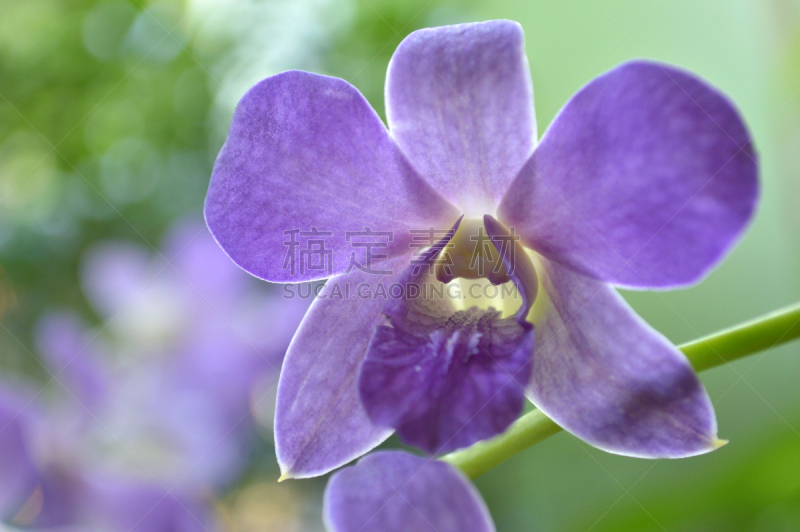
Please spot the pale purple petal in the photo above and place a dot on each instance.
(645, 179)
(113, 273)
(72, 357)
(307, 152)
(127, 506)
(284, 316)
(218, 362)
(319, 421)
(444, 379)
(184, 434)
(18, 474)
(603, 374)
(459, 103)
(197, 261)
(72, 501)
(392, 491)
(64, 498)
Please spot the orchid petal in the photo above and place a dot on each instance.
(307, 161)
(319, 421)
(392, 491)
(645, 179)
(459, 103)
(606, 376)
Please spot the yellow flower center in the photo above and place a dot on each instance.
(470, 254)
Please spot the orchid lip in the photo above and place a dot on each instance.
(446, 378)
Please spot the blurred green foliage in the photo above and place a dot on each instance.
(102, 134)
(111, 114)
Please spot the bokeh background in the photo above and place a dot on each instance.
(111, 114)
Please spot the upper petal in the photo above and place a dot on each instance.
(459, 102)
(306, 154)
(603, 374)
(319, 421)
(393, 491)
(645, 179)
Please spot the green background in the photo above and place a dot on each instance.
(111, 114)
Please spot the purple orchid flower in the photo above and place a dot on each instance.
(645, 180)
(151, 416)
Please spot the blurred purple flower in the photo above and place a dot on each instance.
(151, 414)
(645, 179)
(17, 470)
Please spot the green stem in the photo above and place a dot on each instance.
(720, 348)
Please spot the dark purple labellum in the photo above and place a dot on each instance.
(445, 379)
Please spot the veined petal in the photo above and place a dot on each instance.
(319, 421)
(459, 103)
(393, 491)
(446, 389)
(604, 375)
(307, 161)
(645, 179)
(444, 379)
